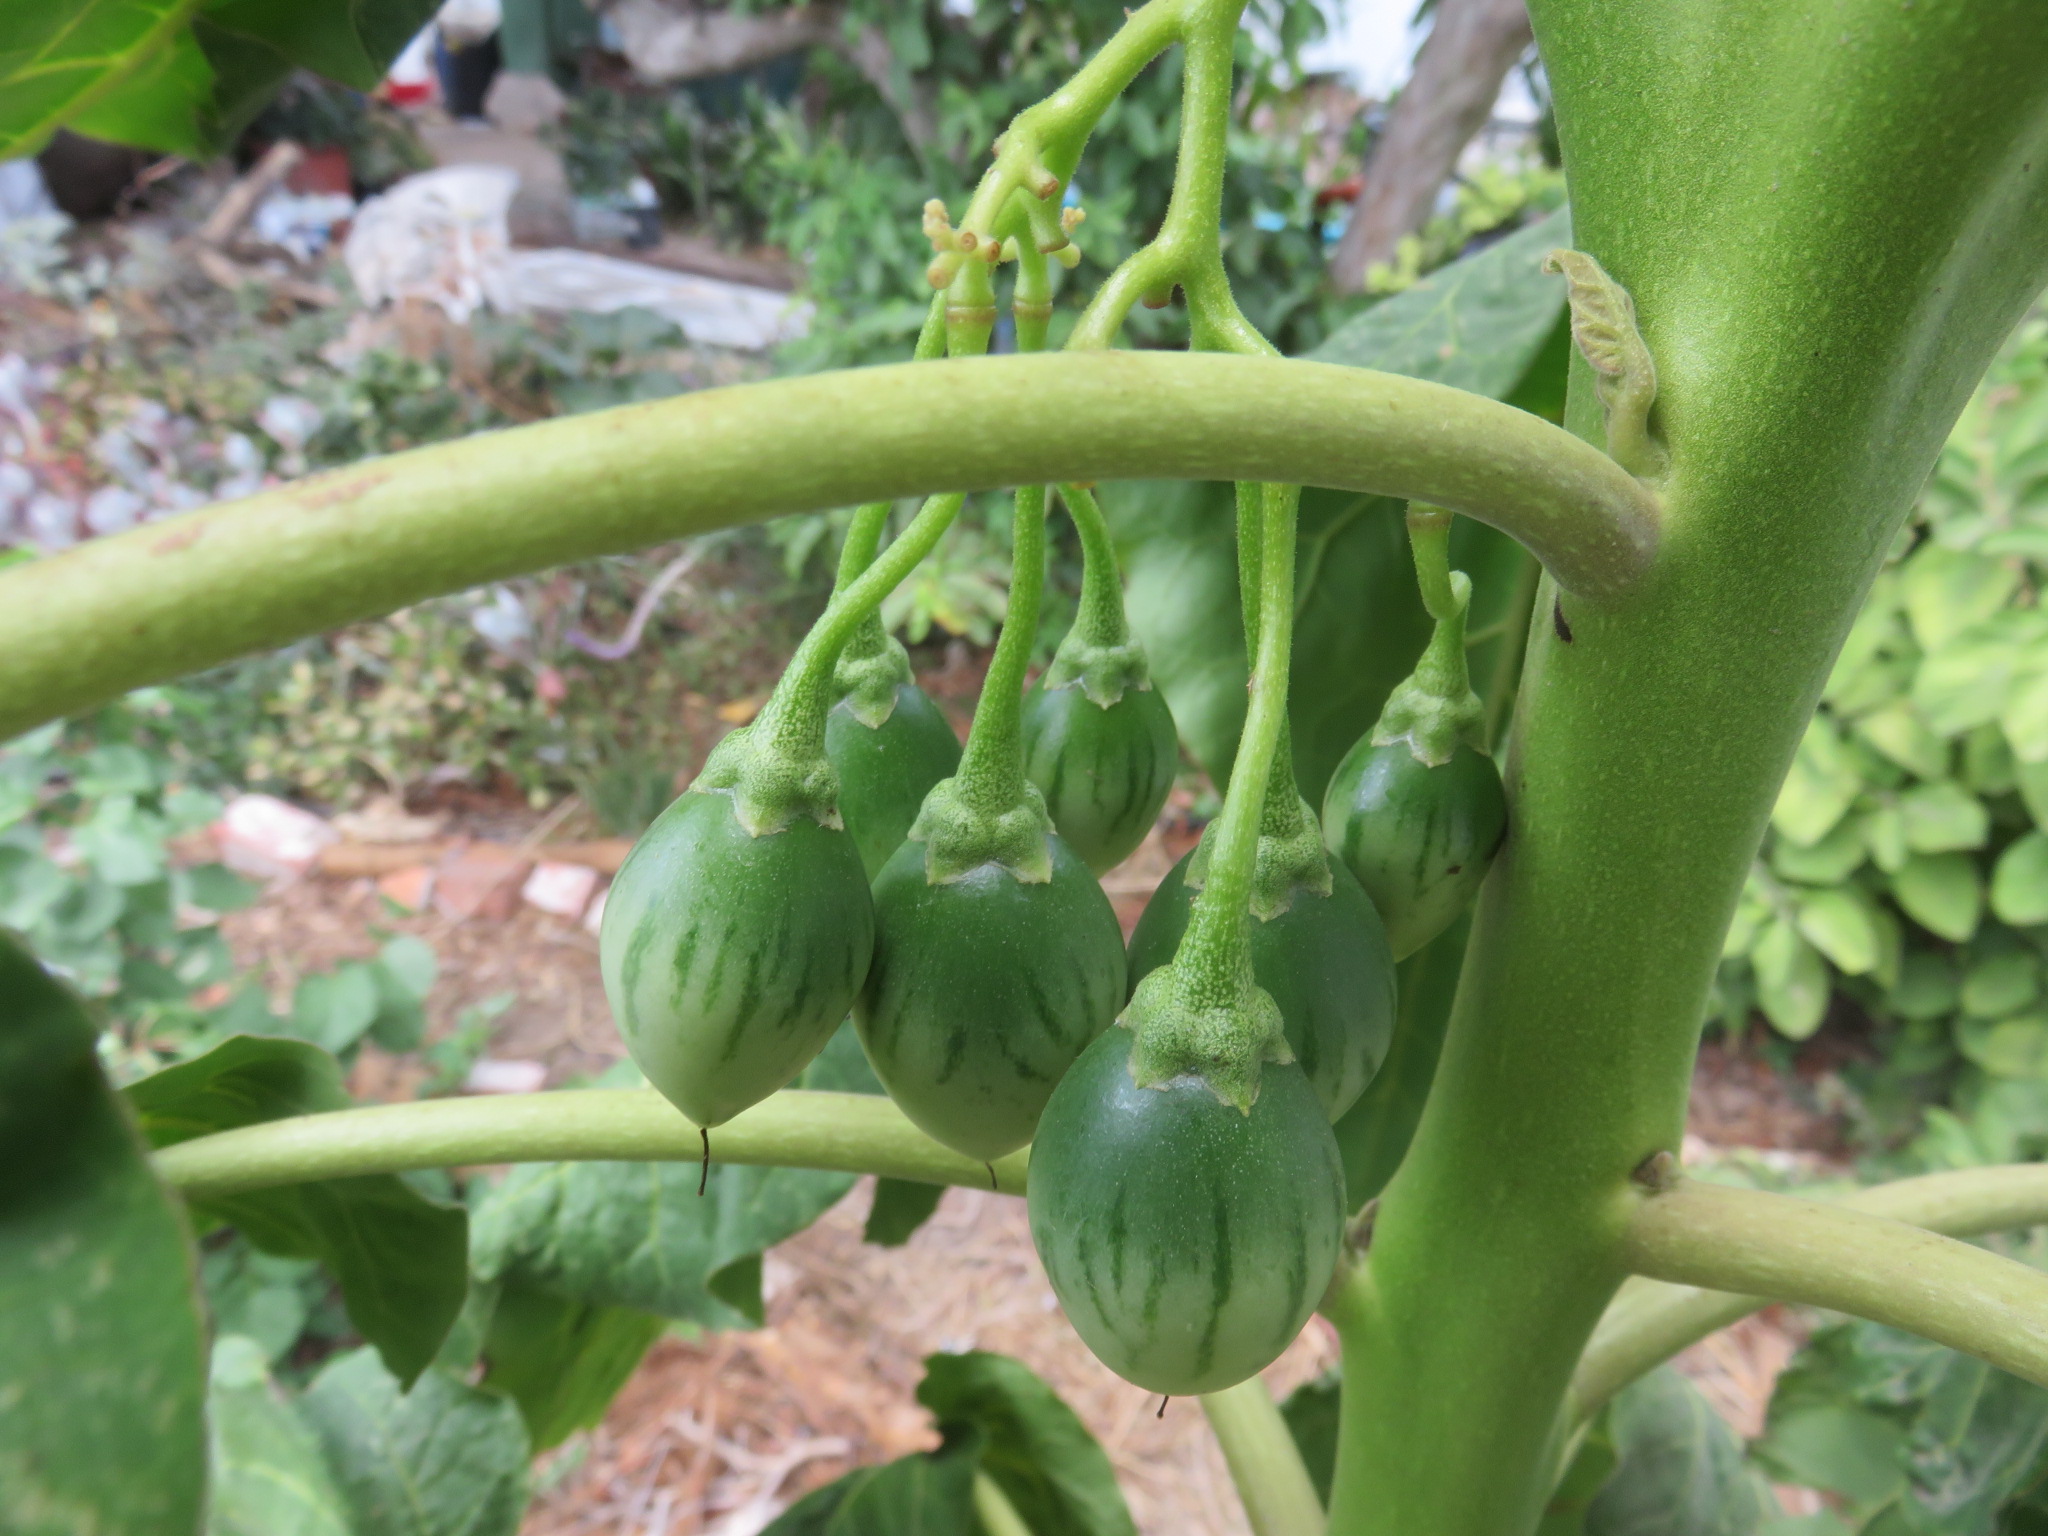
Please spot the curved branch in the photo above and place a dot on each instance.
(798, 1128)
(1649, 1321)
(1846, 1260)
(175, 597)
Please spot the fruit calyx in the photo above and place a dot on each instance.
(961, 831)
(1222, 1030)
(1291, 856)
(1100, 655)
(1434, 709)
(775, 773)
(869, 671)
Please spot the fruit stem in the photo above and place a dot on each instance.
(871, 665)
(1100, 620)
(1434, 709)
(1215, 954)
(1264, 1461)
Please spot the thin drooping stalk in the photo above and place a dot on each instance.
(1100, 618)
(991, 778)
(1264, 1461)
(797, 1128)
(1214, 954)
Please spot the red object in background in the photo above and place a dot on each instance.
(322, 170)
(409, 93)
(1345, 191)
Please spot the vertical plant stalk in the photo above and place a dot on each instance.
(1812, 341)
(1264, 1461)
(1100, 619)
(991, 777)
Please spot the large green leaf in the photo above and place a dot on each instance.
(445, 1459)
(1034, 1447)
(901, 1207)
(1311, 1413)
(562, 1361)
(1679, 1469)
(182, 76)
(638, 1235)
(102, 1368)
(929, 1494)
(1374, 1133)
(1494, 323)
(400, 1258)
(268, 1475)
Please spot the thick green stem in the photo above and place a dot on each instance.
(1837, 240)
(1649, 1321)
(797, 1128)
(1264, 1461)
(1847, 1261)
(179, 596)
(993, 1508)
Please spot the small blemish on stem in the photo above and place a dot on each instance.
(1557, 621)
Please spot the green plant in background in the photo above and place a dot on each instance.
(1807, 255)
(1905, 866)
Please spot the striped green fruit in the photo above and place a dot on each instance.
(1104, 772)
(729, 959)
(1187, 1240)
(983, 991)
(1326, 962)
(885, 771)
(1419, 838)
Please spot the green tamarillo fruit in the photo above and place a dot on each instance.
(1419, 836)
(730, 958)
(1104, 770)
(1187, 1240)
(886, 769)
(1324, 959)
(985, 988)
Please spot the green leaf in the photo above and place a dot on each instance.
(1900, 734)
(2010, 1048)
(1968, 681)
(1476, 324)
(102, 1365)
(2003, 977)
(1374, 1133)
(2024, 719)
(1841, 922)
(1311, 1413)
(1842, 1449)
(1828, 862)
(258, 1295)
(1033, 1446)
(1927, 987)
(335, 1009)
(179, 76)
(901, 1207)
(55, 55)
(1791, 981)
(639, 1235)
(2019, 882)
(929, 1494)
(216, 888)
(1947, 591)
(445, 1459)
(1678, 1467)
(1819, 787)
(1943, 818)
(562, 1361)
(268, 1475)
(399, 1258)
(1942, 892)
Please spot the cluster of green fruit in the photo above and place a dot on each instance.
(844, 853)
